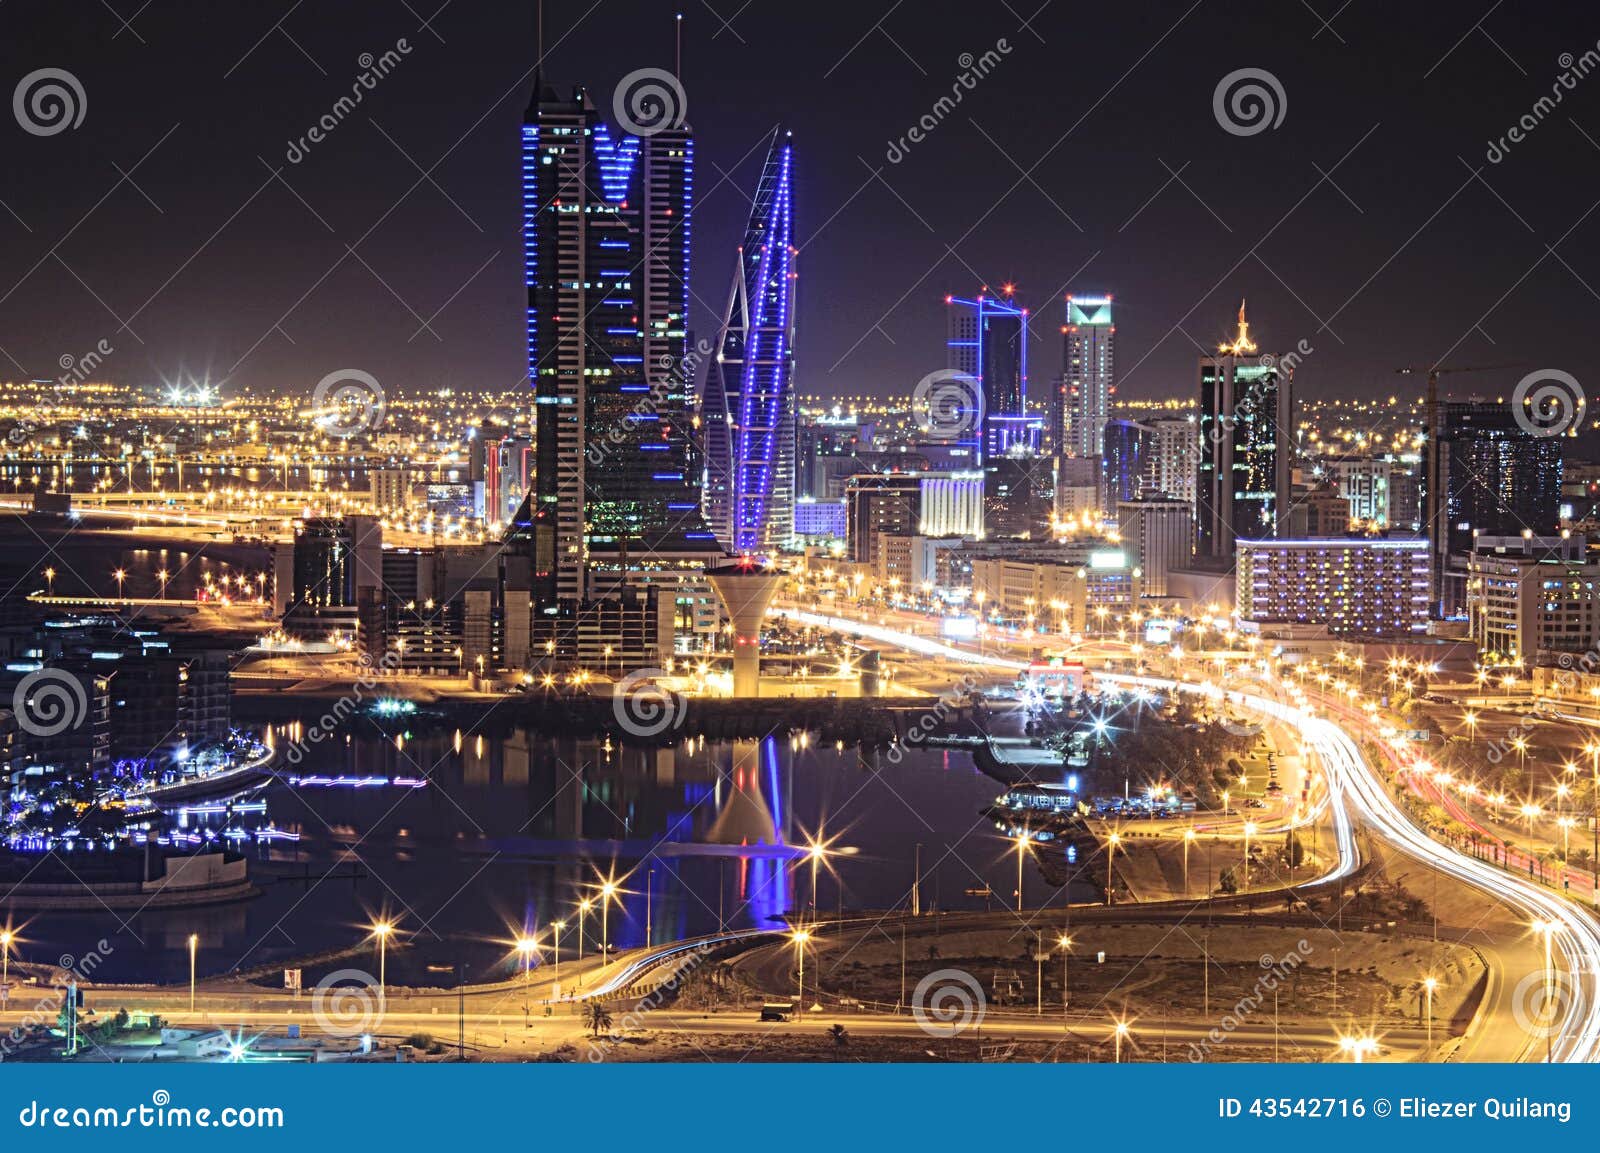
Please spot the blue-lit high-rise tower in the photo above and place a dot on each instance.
(606, 249)
(748, 405)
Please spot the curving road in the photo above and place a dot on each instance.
(1571, 984)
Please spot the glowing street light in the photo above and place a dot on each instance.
(382, 930)
(800, 937)
(5, 965)
(584, 906)
(556, 927)
(1249, 831)
(1119, 1031)
(1064, 943)
(120, 575)
(194, 944)
(1430, 984)
(1112, 842)
(527, 946)
(1023, 846)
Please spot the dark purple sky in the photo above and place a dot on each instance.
(1090, 159)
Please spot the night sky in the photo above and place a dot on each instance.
(201, 261)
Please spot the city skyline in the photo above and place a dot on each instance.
(1169, 296)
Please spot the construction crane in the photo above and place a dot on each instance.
(1433, 495)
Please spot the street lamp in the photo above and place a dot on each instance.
(1064, 943)
(583, 911)
(608, 894)
(800, 937)
(1249, 831)
(1188, 839)
(194, 944)
(527, 946)
(557, 926)
(5, 965)
(119, 576)
(1112, 842)
(1119, 1031)
(382, 930)
(1429, 984)
(1022, 851)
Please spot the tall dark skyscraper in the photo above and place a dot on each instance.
(1494, 478)
(1246, 440)
(606, 242)
(988, 341)
(748, 405)
(1127, 451)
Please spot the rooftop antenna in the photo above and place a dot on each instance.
(677, 51)
(540, 8)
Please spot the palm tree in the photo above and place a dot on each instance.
(597, 1017)
(841, 1039)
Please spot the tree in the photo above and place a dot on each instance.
(1294, 853)
(841, 1040)
(597, 1016)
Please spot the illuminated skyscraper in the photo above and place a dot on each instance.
(748, 405)
(605, 245)
(1246, 436)
(1088, 377)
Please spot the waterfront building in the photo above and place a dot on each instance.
(747, 406)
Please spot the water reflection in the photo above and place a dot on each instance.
(512, 827)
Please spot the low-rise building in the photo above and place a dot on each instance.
(1350, 586)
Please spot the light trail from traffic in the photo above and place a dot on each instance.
(1575, 1038)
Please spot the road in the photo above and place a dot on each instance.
(1572, 985)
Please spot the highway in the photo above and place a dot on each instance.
(1572, 985)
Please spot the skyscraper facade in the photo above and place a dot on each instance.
(605, 253)
(1088, 375)
(988, 341)
(1246, 435)
(1126, 454)
(1494, 479)
(748, 404)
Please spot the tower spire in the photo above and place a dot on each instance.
(1241, 343)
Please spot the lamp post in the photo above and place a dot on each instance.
(583, 911)
(381, 931)
(1022, 850)
(5, 966)
(1112, 842)
(608, 893)
(194, 944)
(527, 946)
(1064, 943)
(1249, 831)
(557, 926)
(1429, 984)
(1119, 1032)
(800, 937)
